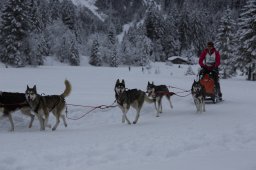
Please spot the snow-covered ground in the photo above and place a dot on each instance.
(222, 138)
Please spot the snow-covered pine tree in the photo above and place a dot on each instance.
(184, 30)
(114, 59)
(226, 43)
(44, 13)
(74, 58)
(95, 58)
(63, 52)
(37, 24)
(54, 9)
(144, 46)
(136, 47)
(247, 34)
(199, 32)
(112, 46)
(68, 14)
(43, 45)
(68, 52)
(170, 41)
(154, 24)
(125, 49)
(14, 30)
(35, 55)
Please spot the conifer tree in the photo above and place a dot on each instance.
(155, 25)
(37, 24)
(95, 58)
(63, 52)
(199, 32)
(14, 30)
(170, 41)
(74, 58)
(54, 10)
(114, 58)
(184, 31)
(68, 14)
(225, 43)
(136, 48)
(247, 34)
(112, 46)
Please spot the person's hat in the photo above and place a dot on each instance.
(210, 44)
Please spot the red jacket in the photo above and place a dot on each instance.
(203, 55)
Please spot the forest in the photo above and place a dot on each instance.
(128, 32)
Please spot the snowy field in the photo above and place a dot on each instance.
(222, 138)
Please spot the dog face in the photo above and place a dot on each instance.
(119, 87)
(196, 87)
(150, 88)
(31, 93)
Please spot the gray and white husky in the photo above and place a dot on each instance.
(11, 102)
(43, 105)
(198, 94)
(158, 92)
(132, 97)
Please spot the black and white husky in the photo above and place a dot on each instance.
(158, 92)
(126, 98)
(198, 94)
(10, 102)
(43, 105)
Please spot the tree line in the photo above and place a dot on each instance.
(30, 30)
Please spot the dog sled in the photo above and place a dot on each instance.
(211, 91)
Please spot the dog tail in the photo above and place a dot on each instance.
(148, 100)
(67, 89)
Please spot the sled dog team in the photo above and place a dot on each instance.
(42, 106)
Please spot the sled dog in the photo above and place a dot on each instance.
(198, 94)
(43, 105)
(132, 97)
(158, 92)
(10, 102)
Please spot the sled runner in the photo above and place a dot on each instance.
(211, 92)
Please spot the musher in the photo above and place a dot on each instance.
(209, 60)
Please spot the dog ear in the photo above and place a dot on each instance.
(27, 87)
(148, 83)
(117, 81)
(34, 87)
(123, 82)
